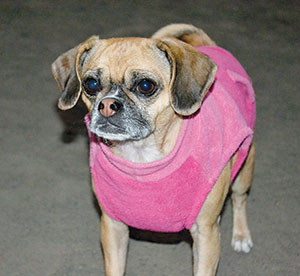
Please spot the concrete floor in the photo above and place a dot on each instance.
(49, 219)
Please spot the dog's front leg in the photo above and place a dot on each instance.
(205, 231)
(114, 240)
(206, 249)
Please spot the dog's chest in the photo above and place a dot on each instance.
(138, 151)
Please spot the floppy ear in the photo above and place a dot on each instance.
(193, 73)
(65, 70)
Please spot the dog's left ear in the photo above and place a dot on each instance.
(66, 72)
(193, 73)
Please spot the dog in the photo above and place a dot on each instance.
(171, 122)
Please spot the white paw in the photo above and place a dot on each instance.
(242, 245)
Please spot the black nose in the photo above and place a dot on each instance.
(108, 107)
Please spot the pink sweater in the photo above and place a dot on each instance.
(167, 195)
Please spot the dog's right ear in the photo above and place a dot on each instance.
(65, 70)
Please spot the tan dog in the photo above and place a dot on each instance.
(138, 92)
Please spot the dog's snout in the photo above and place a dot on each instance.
(108, 107)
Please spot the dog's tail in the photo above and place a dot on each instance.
(185, 32)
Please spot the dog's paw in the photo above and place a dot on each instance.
(242, 244)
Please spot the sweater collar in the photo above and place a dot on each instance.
(153, 171)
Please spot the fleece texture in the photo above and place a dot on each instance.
(167, 195)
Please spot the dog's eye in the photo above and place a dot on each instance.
(146, 87)
(91, 86)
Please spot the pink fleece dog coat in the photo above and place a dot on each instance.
(167, 195)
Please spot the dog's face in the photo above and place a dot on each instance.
(127, 83)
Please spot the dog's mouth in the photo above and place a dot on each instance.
(126, 125)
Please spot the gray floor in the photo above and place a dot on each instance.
(49, 219)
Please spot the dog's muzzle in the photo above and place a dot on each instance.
(117, 118)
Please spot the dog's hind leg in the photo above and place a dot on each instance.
(241, 237)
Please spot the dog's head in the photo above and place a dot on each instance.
(127, 83)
